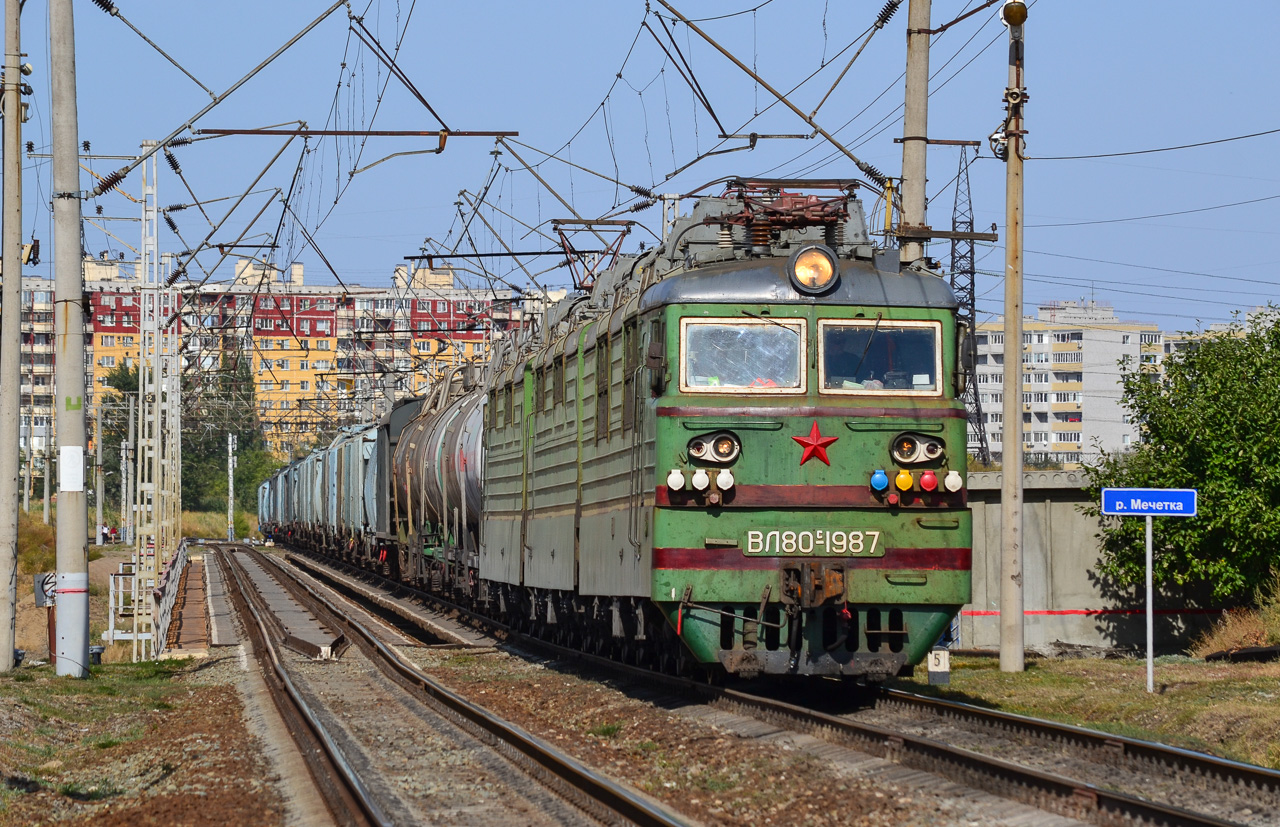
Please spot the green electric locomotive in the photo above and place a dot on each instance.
(742, 450)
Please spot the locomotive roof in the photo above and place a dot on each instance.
(766, 281)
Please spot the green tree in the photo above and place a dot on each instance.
(223, 405)
(122, 383)
(1210, 422)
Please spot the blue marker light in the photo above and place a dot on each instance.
(879, 480)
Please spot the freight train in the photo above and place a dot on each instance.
(741, 451)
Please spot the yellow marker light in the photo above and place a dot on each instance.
(903, 480)
(813, 269)
(1014, 12)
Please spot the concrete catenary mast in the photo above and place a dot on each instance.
(10, 333)
(72, 637)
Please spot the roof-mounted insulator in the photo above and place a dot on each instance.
(873, 173)
(109, 182)
(173, 161)
(886, 13)
(107, 6)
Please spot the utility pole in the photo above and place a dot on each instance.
(72, 555)
(231, 488)
(915, 127)
(98, 478)
(1012, 651)
(11, 333)
(46, 470)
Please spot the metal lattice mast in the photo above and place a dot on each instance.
(962, 278)
(147, 446)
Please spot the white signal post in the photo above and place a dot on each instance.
(1149, 502)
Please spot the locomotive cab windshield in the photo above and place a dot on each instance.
(874, 356)
(730, 355)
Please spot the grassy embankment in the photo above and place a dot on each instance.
(1229, 709)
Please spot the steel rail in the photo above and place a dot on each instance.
(1053, 793)
(1184, 760)
(602, 792)
(347, 797)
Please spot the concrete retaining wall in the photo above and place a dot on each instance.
(1064, 599)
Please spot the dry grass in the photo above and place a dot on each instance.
(213, 524)
(1242, 628)
(1228, 709)
(37, 545)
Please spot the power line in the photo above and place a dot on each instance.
(1152, 267)
(1155, 215)
(1160, 149)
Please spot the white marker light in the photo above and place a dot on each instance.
(953, 481)
(675, 480)
(700, 480)
(724, 480)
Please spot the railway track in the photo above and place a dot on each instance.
(1135, 782)
(401, 702)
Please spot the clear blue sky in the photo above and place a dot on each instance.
(1103, 77)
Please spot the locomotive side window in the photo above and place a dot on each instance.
(733, 355)
(874, 356)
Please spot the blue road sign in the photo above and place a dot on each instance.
(1149, 502)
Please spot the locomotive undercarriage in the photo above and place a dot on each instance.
(772, 638)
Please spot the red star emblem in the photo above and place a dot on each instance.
(815, 444)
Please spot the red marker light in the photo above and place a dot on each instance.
(929, 481)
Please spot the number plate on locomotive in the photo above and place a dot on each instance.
(817, 542)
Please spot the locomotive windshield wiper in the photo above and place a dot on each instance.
(867, 349)
(770, 321)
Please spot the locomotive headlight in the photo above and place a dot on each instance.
(913, 448)
(906, 448)
(725, 447)
(813, 269)
(720, 448)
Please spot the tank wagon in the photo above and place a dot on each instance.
(743, 450)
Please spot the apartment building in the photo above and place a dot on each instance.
(1071, 357)
(36, 365)
(318, 355)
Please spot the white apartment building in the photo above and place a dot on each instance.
(1071, 355)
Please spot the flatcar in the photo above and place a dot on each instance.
(742, 451)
